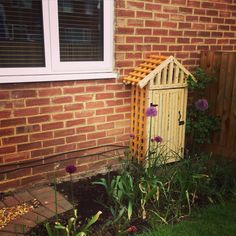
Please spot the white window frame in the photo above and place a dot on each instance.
(54, 69)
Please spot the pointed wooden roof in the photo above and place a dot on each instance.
(147, 70)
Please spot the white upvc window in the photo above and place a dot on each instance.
(48, 40)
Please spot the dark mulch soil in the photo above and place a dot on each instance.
(87, 198)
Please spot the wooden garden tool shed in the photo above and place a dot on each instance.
(162, 82)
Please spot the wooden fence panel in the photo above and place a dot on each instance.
(222, 98)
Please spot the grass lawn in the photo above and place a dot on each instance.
(215, 220)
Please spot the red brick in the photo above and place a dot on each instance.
(37, 102)
(87, 144)
(49, 92)
(26, 112)
(75, 122)
(98, 104)
(18, 173)
(41, 136)
(122, 94)
(153, 39)
(114, 87)
(144, 14)
(65, 148)
(115, 132)
(186, 10)
(152, 23)
(106, 126)
(204, 19)
(104, 111)
(104, 141)
(5, 114)
(168, 40)
(162, 16)
(207, 5)
(152, 7)
(135, 5)
(124, 13)
(74, 90)
(125, 30)
(159, 47)
(96, 135)
(175, 32)
(134, 39)
(51, 109)
(23, 94)
(184, 25)
(61, 100)
(64, 133)
(169, 24)
(6, 185)
(159, 32)
(75, 138)
(192, 3)
(97, 88)
(63, 116)
(115, 117)
(128, 63)
(183, 40)
(199, 12)
(28, 146)
(176, 17)
(12, 122)
(51, 126)
(4, 95)
(85, 129)
(84, 113)
(124, 48)
(6, 132)
(53, 142)
(179, 2)
(38, 119)
(6, 150)
(143, 31)
(101, 96)
(94, 120)
(190, 33)
(14, 140)
(73, 107)
(83, 98)
(135, 22)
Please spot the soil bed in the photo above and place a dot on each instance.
(87, 198)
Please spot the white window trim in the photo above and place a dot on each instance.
(55, 70)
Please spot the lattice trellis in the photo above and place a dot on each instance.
(153, 82)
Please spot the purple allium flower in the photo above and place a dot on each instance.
(201, 104)
(152, 139)
(151, 111)
(131, 135)
(71, 169)
(158, 139)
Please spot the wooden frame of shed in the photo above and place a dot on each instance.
(160, 81)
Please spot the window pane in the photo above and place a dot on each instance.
(81, 30)
(21, 33)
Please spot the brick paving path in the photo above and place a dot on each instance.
(46, 210)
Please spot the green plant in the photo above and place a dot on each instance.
(72, 228)
(200, 123)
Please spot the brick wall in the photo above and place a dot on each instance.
(182, 28)
(41, 119)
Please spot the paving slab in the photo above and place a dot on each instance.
(45, 195)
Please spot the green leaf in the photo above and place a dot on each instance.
(130, 210)
(92, 221)
(49, 230)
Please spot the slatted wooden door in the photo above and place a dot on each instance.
(171, 119)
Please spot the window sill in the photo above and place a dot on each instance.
(56, 77)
